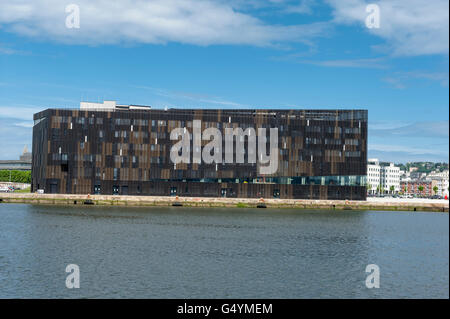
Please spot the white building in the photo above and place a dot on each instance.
(404, 174)
(442, 181)
(381, 178)
(443, 174)
(390, 178)
(373, 175)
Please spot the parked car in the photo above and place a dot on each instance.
(5, 189)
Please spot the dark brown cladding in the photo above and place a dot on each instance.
(322, 154)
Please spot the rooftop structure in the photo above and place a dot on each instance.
(111, 106)
(22, 164)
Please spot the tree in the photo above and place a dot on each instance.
(392, 188)
(369, 187)
(420, 188)
(435, 189)
(16, 176)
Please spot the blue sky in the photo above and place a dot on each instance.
(234, 54)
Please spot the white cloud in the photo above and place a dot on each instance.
(275, 6)
(414, 27)
(349, 63)
(400, 79)
(303, 7)
(407, 149)
(200, 22)
(25, 124)
(403, 141)
(395, 82)
(5, 49)
(19, 112)
(12, 139)
(185, 98)
(404, 157)
(388, 124)
(422, 129)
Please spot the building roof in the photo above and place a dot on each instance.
(23, 163)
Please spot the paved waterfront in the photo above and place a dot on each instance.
(407, 200)
(370, 204)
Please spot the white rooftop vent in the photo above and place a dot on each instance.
(110, 106)
(106, 105)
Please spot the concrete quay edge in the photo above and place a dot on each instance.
(122, 200)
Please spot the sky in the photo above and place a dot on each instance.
(233, 54)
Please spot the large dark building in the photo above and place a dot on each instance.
(128, 150)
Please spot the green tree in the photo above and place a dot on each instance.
(420, 188)
(435, 189)
(16, 176)
(392, 188)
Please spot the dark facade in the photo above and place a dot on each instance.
(322, 154)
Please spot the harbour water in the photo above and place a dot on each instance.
(220, 253)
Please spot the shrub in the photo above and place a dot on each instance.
(16, 176)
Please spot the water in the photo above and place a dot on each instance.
(221, 253)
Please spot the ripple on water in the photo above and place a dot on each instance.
(220, 253)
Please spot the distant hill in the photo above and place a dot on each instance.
(424, 167)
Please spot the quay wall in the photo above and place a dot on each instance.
(116, 200)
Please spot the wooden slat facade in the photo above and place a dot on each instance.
(322, 154)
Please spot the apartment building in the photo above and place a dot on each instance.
(382, 177)
(441, 179)
(419, 187)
